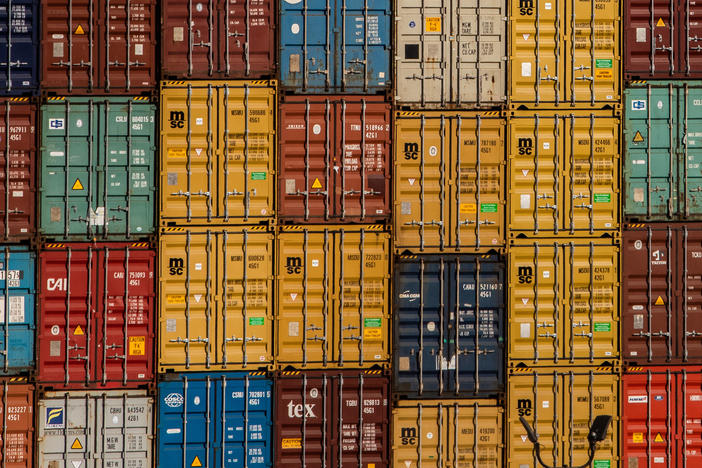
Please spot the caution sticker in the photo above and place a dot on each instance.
(175, 298)
(137, 345)
(78, 331)
(432, 24)
(467, 208)
(637, 437)
(659, 301)
(638, 138)
(658, 438)
(196, 462)
(603, 74)
(176, 153)
(371, 333)
(291, 443)
(77, 185)
(76, 445)
(316, 184)
(79, 30)
(660, 23)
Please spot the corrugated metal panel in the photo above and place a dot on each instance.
(218, 39)
(17, 409)
(447, 199)
(560, 404)
(563, 302)
(17, 270)
(216, 296)
(97, 168)
(333, 47)
(215, 419)
(332, 288)
(92, 429)
(218, 142)
(449, 325)
(19, 40)
(450, 53)
(563, 173)
(564, 53)
(441, 433)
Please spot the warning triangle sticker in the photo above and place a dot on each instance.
(198, 151)
(525, 300)
(660, 23)
(411, 181)
(76, 445)
(525, 36)
(659, 301)
(77, 185)
(293, 296)
(638, 137)
(197, 297)
(658, 438)
(336, 169)
(316, 183)
(78, 331)
(524, 438)
(196, 461)
(408, 463)
(79, 30)
(76, 463)
(525, 172)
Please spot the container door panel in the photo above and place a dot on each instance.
(689, 306)
(16, 309)
(473, 434)
(19, 26)
(689, 152)
(689, 407)
(689, 30)
(415, 424)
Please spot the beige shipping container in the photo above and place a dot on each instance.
(447, 433)
(218, 141)
(563, 302)
(560, 404)
(216, 299)
(563, 171)
(447, 199)
(450, 53)
(564, 53)
(333, 297)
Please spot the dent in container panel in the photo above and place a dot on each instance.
(334, 159)
(17, 413)
(17, 289)
(19, 40)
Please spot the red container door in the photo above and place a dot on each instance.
(689, 416)
(690, 36)
(689, 274)
(644, 26)
(17, 410)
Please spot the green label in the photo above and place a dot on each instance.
(603, 63)
(258, 176)
(256, 320)
(601, 464)
(603, 326)
(488, 207)
(603, 197)
(371, 323)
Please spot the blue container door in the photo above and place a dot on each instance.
(17, 266)
(19, 29)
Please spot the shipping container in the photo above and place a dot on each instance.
(18, 156)
(19, 42)
(332, 297)
(83, 429)
(334, 159)
(218, 142)
(215, 299)
(560, 404)
(563, 171)
(97, 168)
(447, 199)
(17, 413)
(218, 39)
(17, 274)
(450, 54)
(661, 409)
(448, 337)
(564, 54)
(662, 307)
(662, 178)
(332, 418)
(443, 433)
(215, 419)
(96, 314)
(563, 302)
(99, 47)
(335, 46)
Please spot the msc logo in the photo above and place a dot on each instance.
(524, 274)
(56, 124)
(175, 266)
(408, 435)
(177, 119)
(54, 418)
(56, 284)
(174, 400)
(638, 104)
(293, 265)
(524, 407)
(411, 151)
(525, 145)
(526, 7)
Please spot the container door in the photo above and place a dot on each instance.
(18, 42)
(190, 39)
(689, 405)
(647, 21)
(67, 429)
(17, 424)
(689, 34)
(688, 271)
(689, 152)
(473, 434)
(16, 310)
(411, 427)
(247, 47)
(124, 429)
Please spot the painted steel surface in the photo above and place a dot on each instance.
(17, 412)
(17, 301)
(19, 42)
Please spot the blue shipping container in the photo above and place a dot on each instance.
(17, 266)
(205, 415)
(19, 34)
(437, 350)
(335, 46)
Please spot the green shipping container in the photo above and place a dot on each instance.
(663, 159)
(97, 168)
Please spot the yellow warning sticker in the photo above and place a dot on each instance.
(76, 445)
(175, 298)
(196, 461)
(658, 438)
(79, 30)
(78, 331)
(291, 443)
(660, 23)
(603, 74)
(638, 138)
(638, 437)
(432, 24)
(467, 208)
(316, 183)
(77, 185)
(176, 152)
(371, 333)
(137, 345)
(659, 301)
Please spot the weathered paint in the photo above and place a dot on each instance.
(17, 292)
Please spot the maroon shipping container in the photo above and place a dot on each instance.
(662, 417)
(18, 154)
(92, 46)
(96, 313)
(331, 170)
(217, 39)
(662, 293)
(662, 39)
(17, 431)
(320, 422)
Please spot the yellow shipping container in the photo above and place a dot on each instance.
(333, 297)
(447, 433)
(215, 291)
(218, 141)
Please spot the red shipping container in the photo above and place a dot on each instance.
(98, 46)
(322, 418)
(17, 431)
(18, 154)
(329, 169)
(662, 417)
(96, 313)
(218, 39)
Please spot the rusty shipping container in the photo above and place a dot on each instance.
(333, 297)
(96, 314)
(217, 39)
(662, 307)
(440, 433)
(563, 306)
(218, 143)
(661, 409)
(332, 418)
(216, 299)
(18, 158)
(94, 47)
(563, 171)
(560, 404)
(447, 199)
(334, 159)
(564, 54)
(17, 413)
